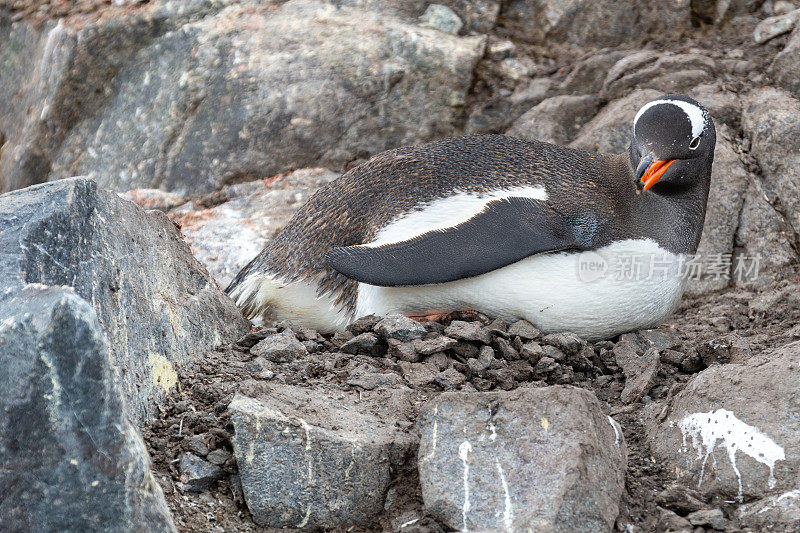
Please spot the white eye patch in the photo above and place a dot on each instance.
(695, 114)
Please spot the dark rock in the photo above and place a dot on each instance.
(680, 498)
(532, 352)
(403, 351)
(545, 365)
(763, 234)
(478, 365)
(468, 331)
(498, 328)
(708, 517)
(671, 521)
(467, 350)
(640, 372)
(450, 379)
(400, 328)
(317, 461)
(436, 344)
(198, 474)
(523, 371)
(524, 330)
(542, 459)
(219, 456)
(70, 233)
(672, 357)
(363, 343)
(660, 339)
(340, 338)
(254, 337)
(419, 375)
(370, 379)
(499, 113)
(198, 445)
(554, 353)
(587, 75)
(71, 458)
(280, 348)
(364, 324)
(505, 349)
(665, 72)
(569, 343)
(729, 181)
(503, 377)
(440, 360)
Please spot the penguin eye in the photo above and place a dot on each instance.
(695, 143)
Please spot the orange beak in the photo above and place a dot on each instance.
(654, 173)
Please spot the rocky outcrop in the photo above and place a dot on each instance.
(557, 119)
(70, 458)
(587, 22)
(157, 306)
(539, 459)
(353, 83)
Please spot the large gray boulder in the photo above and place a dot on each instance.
(591, 22)
(70, 458)
(317, 459)
(733, 432)
(543, 459)
(231, 94)
(158, 307)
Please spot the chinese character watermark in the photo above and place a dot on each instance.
(592, 266)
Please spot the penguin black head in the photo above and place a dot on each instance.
(673, 144)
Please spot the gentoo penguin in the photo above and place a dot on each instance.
(567, 239)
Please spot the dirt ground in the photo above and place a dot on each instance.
(198, 405)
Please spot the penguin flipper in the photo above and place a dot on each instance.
(505, 232)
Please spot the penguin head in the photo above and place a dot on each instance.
(673, 144)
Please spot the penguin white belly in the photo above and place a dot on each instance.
(627, 285)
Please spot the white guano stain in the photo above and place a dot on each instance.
(508, 510)
(305, 518)
(721, 427)
(435, 435)
(616, 430)
(464, 450)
